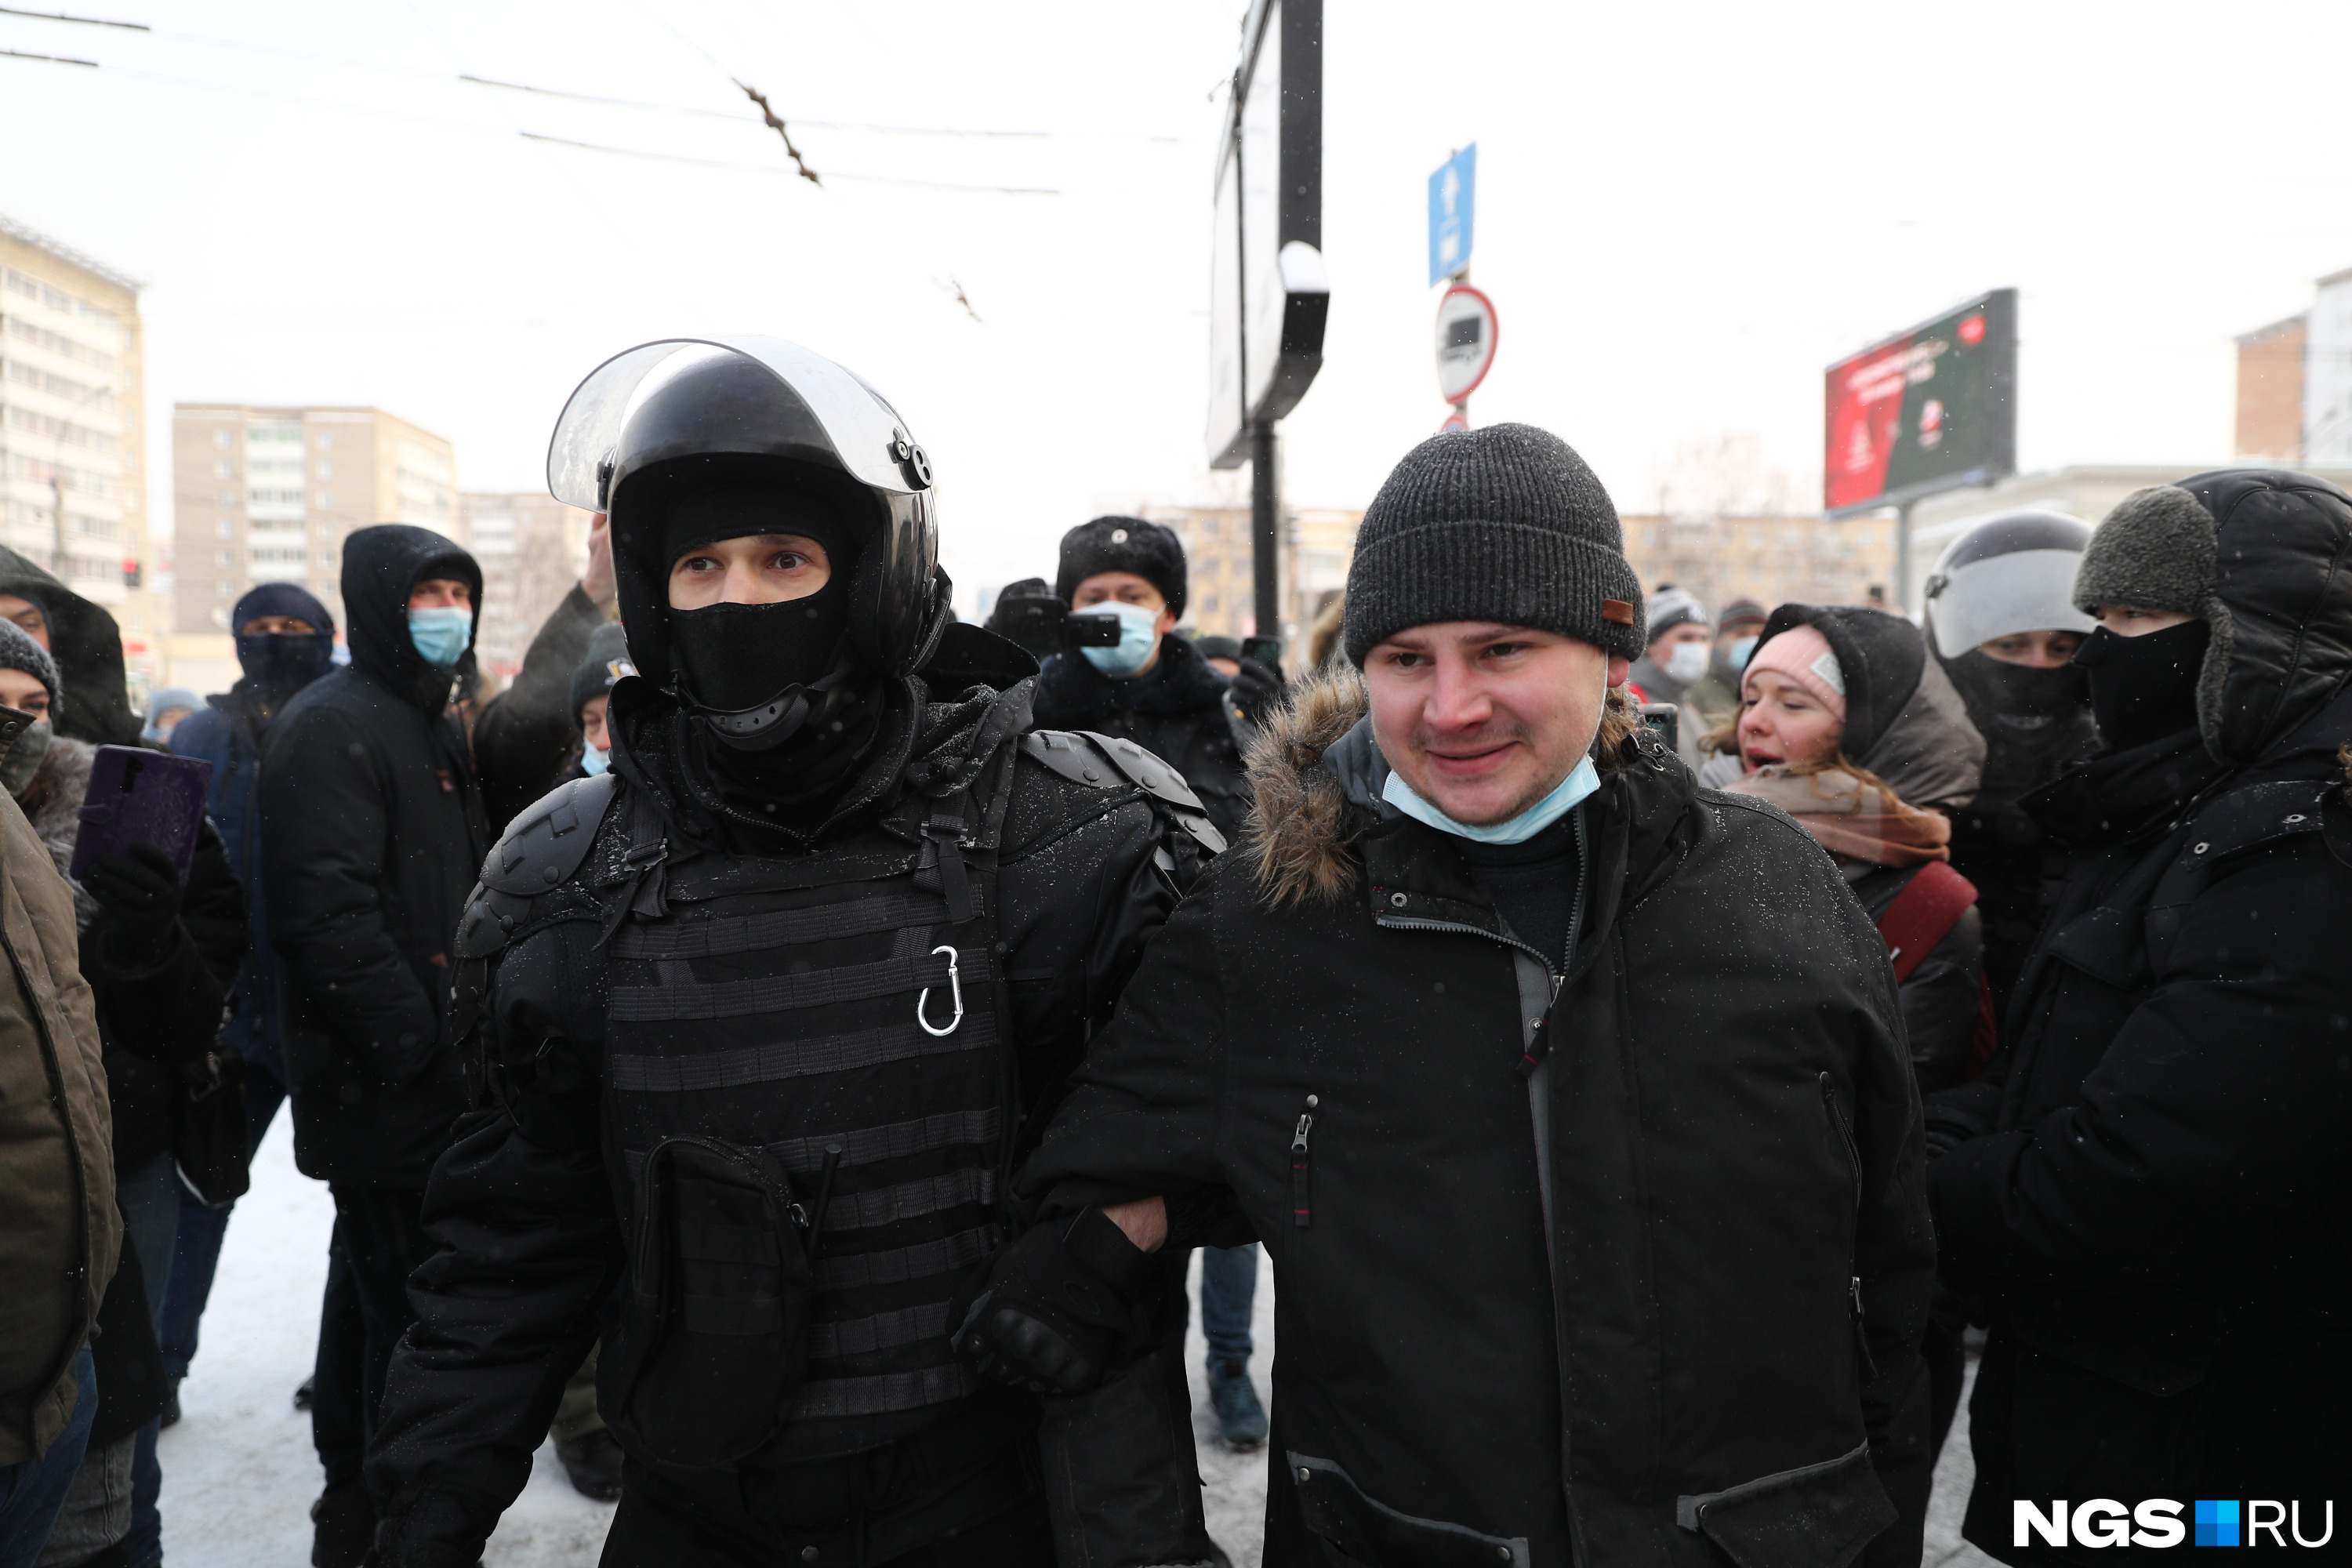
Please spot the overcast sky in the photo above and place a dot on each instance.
(1685, 212)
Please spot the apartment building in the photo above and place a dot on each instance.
(72, 434)
(267, 495)
(533, 548)
(1805, 558)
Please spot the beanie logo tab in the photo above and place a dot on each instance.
(1618, 611)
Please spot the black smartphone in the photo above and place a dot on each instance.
(139, 796)
(1089, 631)
(1268, 651)
(1667, 720)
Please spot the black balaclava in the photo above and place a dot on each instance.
(2144, 689)
(731, 659)
(279, 664)
(2034, 720)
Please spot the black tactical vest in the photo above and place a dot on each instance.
(808, 1100)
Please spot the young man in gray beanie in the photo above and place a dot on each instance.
(1571, 1102)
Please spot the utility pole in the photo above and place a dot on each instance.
(1265, 528)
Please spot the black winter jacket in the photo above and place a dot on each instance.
(528, 735)
(2159, 1207)
(370, 834)
(1176, 710)
(1704, 1326)
(523, 1208)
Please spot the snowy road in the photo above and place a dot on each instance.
(240, 1474)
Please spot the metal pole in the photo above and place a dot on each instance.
(1266, 525)
(1901, 595)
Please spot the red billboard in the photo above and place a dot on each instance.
(1929, 409)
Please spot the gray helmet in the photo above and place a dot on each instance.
(666, 415)
(2010, 574)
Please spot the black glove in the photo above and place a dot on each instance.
(1956, 1115)
(433, 1530)
(137, 892)
(1063, 1306)
(1257, 691)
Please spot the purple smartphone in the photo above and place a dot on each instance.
(138, 797)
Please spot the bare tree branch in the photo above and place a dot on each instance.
(776, 125)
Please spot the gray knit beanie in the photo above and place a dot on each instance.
(2155, 551)
(1501, 524)
(19, 651)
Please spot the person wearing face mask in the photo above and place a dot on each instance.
(1154, 688)
(607, 662)
(285, 640)
(1569, 1101)
(160, 951)
(1675, 662)
(765, 1012)
(1737, 630)
(2152, 1186)
(2000, 616)
(370, 825)
(165, 708)
(86, 644)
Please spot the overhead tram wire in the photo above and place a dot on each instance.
(371, 111)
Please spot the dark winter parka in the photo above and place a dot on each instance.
(1701, 1332)
(2158, 1208)
(372, 832)
(528, 735)
(536, 1207)
(1176, 710)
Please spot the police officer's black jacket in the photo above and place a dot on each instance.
(1176, 710)
(2160, 1211)
(370, 832)
(1331, 1038)
(769, 999)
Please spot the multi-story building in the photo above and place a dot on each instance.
(2294, 382)
(72, 432)
(533, 548)
(1807, 558)
(267, 495)
(1312, 566)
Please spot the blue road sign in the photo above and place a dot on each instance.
(1452, 192)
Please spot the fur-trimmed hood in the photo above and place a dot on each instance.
(1316, 776)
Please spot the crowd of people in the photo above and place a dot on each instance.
(788, 1043)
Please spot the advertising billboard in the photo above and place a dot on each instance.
(1931, 409)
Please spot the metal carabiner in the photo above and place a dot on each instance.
(955, 986)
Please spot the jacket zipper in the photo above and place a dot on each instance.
(1853, 1165)
(1301, 1208)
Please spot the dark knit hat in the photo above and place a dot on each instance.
(19, 651)
(2155, 551)
(606, 662)
(1123, 544)
(1501, 524)
(1739, 610)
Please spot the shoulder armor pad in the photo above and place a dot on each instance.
(1107, 761)
(2244, 819)
(547, 843)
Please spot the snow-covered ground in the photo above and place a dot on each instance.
(240, 1474)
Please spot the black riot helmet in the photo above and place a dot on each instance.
(665, 420)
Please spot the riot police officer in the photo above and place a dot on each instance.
(767, 1012)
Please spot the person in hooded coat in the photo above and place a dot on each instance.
(2000, 616)
(285, 640)
(370, 832)
(1848, 726)
(84, 639)
(528, 736)
(2152, 1188)
(159, 950)
(766, 1011)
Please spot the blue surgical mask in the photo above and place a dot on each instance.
(1139, 636)
(1742, 649)
(595, 760)
(1580, 782)
(441, 634)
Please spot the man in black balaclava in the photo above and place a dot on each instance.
(2003, 621)
(792, 983)
(285, 640)
(2151, 1186)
